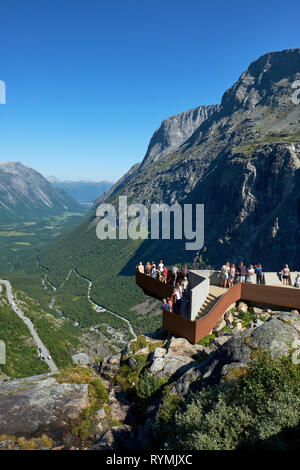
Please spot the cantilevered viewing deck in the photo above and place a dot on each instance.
(207, 302)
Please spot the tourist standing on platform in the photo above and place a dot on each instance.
(169, 301)
(153, 271)
(259, 274)
(242, 271)
(174, 274)
(184, 271)
(251, 274)
(286, 275)
(231, 275)
(148, 269)
(140, 268)
(178, 300)
(161, 266)
(165, 275)
(225, 274)
(297, 280)
(184, 285)
(166, 306)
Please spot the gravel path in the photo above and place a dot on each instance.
(29, 324)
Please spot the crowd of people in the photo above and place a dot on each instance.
(231, 274)
(175, 277)
(253, 274)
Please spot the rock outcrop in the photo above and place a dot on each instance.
(174, 131)
(278, 336)
(39, 403)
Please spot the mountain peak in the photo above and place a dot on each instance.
(267, 82)
(175, 130)
(26, 193)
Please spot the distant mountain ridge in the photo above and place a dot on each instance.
(25, 193)
(82, 191)
(169, 136)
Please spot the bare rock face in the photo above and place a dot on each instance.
(39, 402)
(117, 438)
(171, 365)
(181, 346)
(174, 131)
(190, 381)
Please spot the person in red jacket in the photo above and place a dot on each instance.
(164, 275)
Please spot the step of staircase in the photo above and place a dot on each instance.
(214, 295)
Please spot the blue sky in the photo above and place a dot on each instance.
(89, 81)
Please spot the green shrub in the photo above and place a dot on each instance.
(138, 344)
(207, 339)
(148, 387)
(260, 409)
(247, 318)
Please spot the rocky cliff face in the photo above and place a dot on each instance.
(26, 193)
(174, 131)
(242, 162)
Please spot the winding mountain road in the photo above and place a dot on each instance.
(100, 308)
(29, 324)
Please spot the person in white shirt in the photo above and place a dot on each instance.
(225, 274)
(178, 300)
(174, 274)
(161, 266)
(251, 274)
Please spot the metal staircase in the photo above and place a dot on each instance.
(215, 293)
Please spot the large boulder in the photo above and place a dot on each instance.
(275, 336)
(242, 307)
(220, 325)
(229, 317)
(220, 340)
(110, 366)
(172, 365)
(181, 346)
(39, 402)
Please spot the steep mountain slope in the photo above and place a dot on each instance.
(242, 163)
(257, 110)
(25, 193)
(82, 191)
(172, 132)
